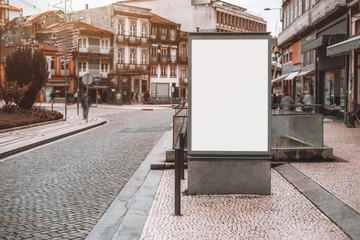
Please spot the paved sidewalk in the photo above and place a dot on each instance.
(286, 214)
(27, 137)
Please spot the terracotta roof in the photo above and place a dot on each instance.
(83, 27)
(157, 19)
(33, 18)
(14, 8)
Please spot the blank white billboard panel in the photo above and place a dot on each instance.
(229, 102)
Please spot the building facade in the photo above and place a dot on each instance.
(204, 15)
(164, 59)
(130, 74)
(89, 50)
(309, 26)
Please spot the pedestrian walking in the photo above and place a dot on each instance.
(353, 115)
(99, 98)
(118, 99)
(286, 102)
(307, 100)
(85, 103)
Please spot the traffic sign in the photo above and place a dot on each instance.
(97, 79)
(87, 79)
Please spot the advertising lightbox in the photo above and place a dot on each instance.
(229, 95)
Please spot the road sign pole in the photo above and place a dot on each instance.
(87, 102)
(97, 85)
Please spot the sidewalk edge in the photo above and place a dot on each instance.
(48, 140)
(139, 191)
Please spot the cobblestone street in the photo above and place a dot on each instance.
(60, 191)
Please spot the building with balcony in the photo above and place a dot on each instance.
(130, 72)
(309, 26)
(205, 15)
(89, 50)
(164, 59)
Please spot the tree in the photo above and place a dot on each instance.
(27, 66)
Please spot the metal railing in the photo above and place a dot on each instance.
(179, 122)
(180, 160)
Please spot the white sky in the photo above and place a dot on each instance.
(255, 7)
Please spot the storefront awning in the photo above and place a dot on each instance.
(291, 76)
(316, 43)
(278, 79)
(344, 46)
(303, 73)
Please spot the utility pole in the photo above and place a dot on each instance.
(65, 61)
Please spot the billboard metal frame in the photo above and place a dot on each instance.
(221, 155)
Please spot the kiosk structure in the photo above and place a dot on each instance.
(229, 134)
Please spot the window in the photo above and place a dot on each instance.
(184, 50)
(173, 71)
(121, 56)
(296, 8)
(83, 43)
(105, 67)
(163, 32)
(144, 57)
(153, 52)
(300, 8)
(153, 31)
(183, 72)
(290, 58)
(172, 34)
(163, 53)
(163, 71)
(144, 31)
(52, 63)
(292, 12)
(153, 70)
(133, 56)
(82, 67)
(357, 27)
(306, 5)
(105, 44)
(63, 65)
(334, 89)
(121, 27)
(288, 15)
(133, 28)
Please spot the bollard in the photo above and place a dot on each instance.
(182, 167)
(177, 183)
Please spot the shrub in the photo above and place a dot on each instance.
(27, 66)
(45, 114)
(10, 93)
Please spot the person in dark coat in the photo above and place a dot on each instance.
(85, 103)
(353, 115)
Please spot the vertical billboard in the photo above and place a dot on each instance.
(229, 95)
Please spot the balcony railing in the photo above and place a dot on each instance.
(135, 40)
(132, 68)
(164, 38)
(96, 49)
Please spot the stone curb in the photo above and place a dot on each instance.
(29, 126)
(346, 218)
(126, 216)
(51, 139)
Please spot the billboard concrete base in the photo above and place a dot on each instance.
(219, 176)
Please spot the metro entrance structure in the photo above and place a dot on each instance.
(229, 134)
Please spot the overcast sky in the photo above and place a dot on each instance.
(255, 7)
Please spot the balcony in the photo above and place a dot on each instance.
(140, 68)
(154, 59)
(183, 81)
(133, 40)
(96, 49)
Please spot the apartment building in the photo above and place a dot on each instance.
(164, 60)
(130, 74)
(89, 51)
(204, 15)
